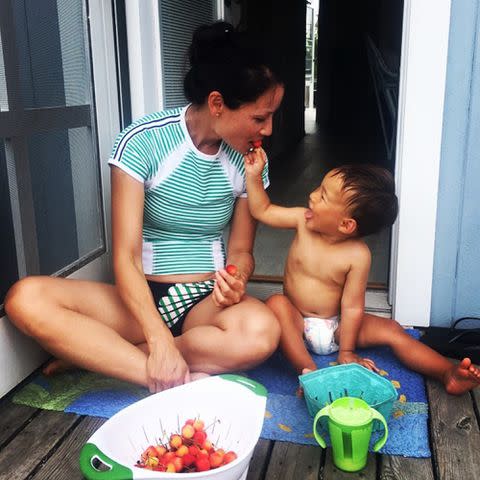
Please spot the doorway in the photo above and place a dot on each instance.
(353, 119)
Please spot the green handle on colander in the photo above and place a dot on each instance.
(254, 386)
(114, 471)
(380, 443)
(324, 412)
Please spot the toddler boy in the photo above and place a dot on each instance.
(327, 269)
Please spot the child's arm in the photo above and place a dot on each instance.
(353, 309)
(258, 201)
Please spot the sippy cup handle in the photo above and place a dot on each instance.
(324, 412)
(380, 443)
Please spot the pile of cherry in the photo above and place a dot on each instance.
(188, 451)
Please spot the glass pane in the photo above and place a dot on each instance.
(52, 60)
(8, 257)
(3, 85)
(66, 197)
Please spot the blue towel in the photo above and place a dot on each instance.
(287, 418)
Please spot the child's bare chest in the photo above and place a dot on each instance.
(317, 259)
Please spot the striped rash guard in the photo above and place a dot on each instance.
(189, 195)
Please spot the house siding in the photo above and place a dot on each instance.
(456, 273)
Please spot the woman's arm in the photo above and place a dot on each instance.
(230, 289)
(165, 366)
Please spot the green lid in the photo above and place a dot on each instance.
(350, 412)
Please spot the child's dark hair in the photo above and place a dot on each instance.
(230, 62)
(372, 201)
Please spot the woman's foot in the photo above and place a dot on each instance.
(462, 377)
(198, 376)
(57, 366)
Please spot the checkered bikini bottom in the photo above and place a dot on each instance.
(175, 300)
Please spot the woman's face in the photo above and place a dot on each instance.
(252, 121)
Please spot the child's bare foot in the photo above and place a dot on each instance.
(462, 377)
(57, 366)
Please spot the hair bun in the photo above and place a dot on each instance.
(211, 43)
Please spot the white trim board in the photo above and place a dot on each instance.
(419, 137)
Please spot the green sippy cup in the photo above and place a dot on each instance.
(350, 426)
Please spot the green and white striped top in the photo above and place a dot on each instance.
(189, 195)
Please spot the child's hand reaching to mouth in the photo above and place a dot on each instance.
(255, 161)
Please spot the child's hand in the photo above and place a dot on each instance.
(255, 161)
(352, 357)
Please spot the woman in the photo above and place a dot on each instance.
(177, 179)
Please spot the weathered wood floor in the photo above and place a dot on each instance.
(39, 444)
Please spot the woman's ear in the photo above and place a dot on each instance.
(348, 226)
(215, 103)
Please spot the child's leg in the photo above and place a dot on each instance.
(457, 378)
(291, 337)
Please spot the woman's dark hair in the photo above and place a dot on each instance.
(372, 201)
(230, 62)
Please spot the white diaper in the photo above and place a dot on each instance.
(320, 334)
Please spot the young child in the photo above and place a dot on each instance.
(327, 270)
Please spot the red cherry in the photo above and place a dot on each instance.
(188, 431)
(257, 143)
(216, 459)
(231, 269)
(202, 464)
(229, 457)
(198, 424)
(193, 450)
(200, 437)
(188, 459)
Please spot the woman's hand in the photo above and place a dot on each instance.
(166, 368)
(352, 357)
(228, 289)
(255, 161)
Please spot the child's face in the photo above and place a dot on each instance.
(327, 206)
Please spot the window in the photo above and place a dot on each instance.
(51, 207)
(178, 20)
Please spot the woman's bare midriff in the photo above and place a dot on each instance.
(181, 278)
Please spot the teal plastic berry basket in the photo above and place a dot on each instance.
(322, 387)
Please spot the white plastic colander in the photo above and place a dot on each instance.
(234, 406)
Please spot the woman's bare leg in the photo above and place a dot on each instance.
(84, 323)
(291, 339)
(457, 378)
(216, 340)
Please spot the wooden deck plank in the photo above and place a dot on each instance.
(13, 419)
(290, 461)
(34, 442)
(455, 434)
(63, 464)
(331, 472)
(393, 467)
(260, 459)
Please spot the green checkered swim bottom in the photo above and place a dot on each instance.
(175, 300)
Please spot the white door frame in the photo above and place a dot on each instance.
(19, 355)
(419, 140)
